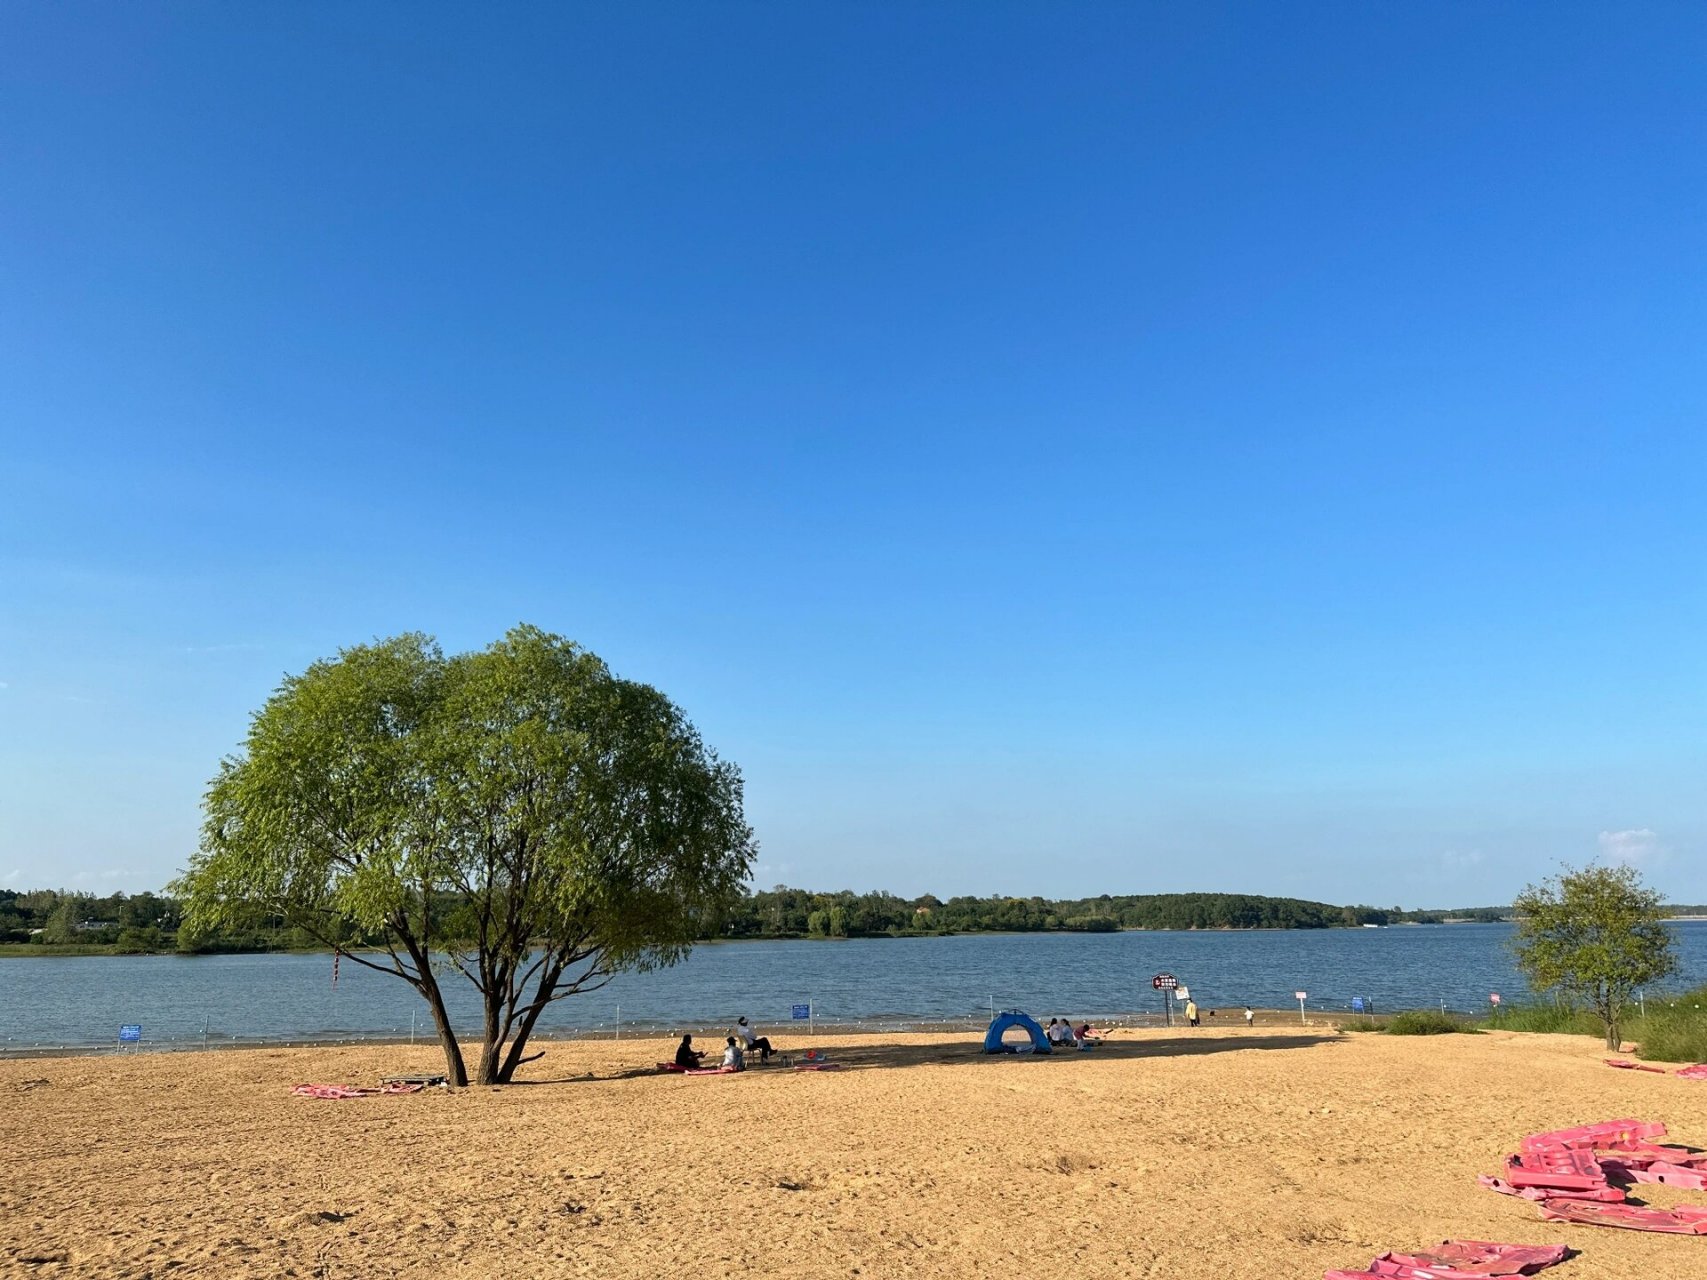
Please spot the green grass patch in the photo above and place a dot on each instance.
(1675, 1029)
(1547, 1019)
(1424, 1022)
(1673, 1040)
(56, 949)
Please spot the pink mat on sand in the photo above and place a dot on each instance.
(1462, 1260)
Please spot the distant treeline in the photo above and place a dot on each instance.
(130, 924)
(149, 922)
(783, 912)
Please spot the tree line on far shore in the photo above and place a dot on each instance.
(149, 923)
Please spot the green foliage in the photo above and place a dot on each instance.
(62, 924)
(1546, 1019)
(137, 940)
(520, 811)
(1422, 1022)
(771, 913)
(1675, 1041)
(785, 912)
(1593, 937)
(1675, 1029)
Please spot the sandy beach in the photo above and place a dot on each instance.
(1275, 1152)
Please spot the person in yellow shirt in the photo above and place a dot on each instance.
(1191, 1013)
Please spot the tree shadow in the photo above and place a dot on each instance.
(970, 1052)
(878, 1057)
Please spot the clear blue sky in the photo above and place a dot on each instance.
(1051, 449)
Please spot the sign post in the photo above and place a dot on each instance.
(130, 1033)
(1301, 996)
(803, 1013)
(1167, 984)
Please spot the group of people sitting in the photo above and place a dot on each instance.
(1061, 1032)
(735, 1049)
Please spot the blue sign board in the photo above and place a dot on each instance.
(1357, 1004)
(130, 1033)
(802, 1012)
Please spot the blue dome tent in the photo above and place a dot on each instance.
(1015, 1018)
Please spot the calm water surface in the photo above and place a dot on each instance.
(82, 1000)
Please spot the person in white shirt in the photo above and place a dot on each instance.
(1250, 1018)
(754, 1042)
(733, 1060)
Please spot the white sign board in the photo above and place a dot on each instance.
(1300, 995)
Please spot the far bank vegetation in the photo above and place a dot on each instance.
(62, 922)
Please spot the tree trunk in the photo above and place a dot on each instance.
(490, 1041)
(456, 1071)
(518, 1042)
(1609, 1007)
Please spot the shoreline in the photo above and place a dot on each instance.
(1268, 1020)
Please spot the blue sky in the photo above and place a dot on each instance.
(1060, 450)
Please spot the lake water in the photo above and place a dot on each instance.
(80, 1001)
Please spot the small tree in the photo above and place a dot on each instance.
(517, 816)
(1593, 937)
(62, 924)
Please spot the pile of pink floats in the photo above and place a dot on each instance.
(1572, 1175)
(1582, 1175)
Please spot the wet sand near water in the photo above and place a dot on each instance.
(1218, 1152)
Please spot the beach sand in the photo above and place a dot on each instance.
(1209, 1153)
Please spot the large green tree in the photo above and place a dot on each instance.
(1593, 937)
(518, 817)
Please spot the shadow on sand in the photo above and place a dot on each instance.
(970, 1053)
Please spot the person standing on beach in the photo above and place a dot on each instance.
(1191, 1012)
(1250, 1018)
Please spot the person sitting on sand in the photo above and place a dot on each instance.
(687, 1057)
(754, 1043)
(1060, 1032)
(732, 1057)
